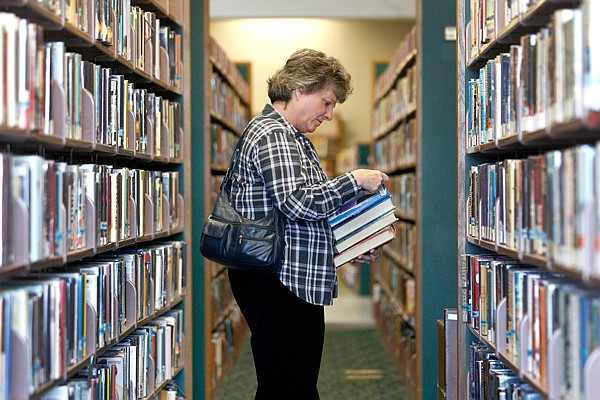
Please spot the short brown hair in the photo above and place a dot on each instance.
(312, 71)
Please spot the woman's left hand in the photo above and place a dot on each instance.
(368, 257)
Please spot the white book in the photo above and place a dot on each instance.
(11, 29)
(127, 30)
(47, 117)
(114, 209)
(55, 75)
(89, 178)
(591, 72)
(5, 190)
(24, 75)
(168, 351)
(584, 207)
(541, 85)
(353, 224)
(33, 195)
(159, 269)
(497, 133)
(383, 236)
(573, 84)
(143, 353)
(133, 370)
(3, 66)
(366, 231)
(20, 323)
(77, 86)
(557, 115)
(156, 45)
(91, 295)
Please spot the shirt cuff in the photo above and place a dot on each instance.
(347, 186)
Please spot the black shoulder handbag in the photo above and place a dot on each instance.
(241, 243)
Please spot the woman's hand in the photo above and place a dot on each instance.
(369, 256)
(369, 179)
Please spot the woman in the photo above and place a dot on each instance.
(279, 167)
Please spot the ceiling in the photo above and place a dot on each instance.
(350, 9)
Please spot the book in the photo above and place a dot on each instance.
(360, 210)
(5, 193)
(28, 175)
(381, 237)
(591, 67)
(365, 231)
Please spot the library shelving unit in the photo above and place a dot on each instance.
(353, 157)
(95, 198)
(327, 141)
(527, 262)
(229, 112)
(395, 152)
(413, 110)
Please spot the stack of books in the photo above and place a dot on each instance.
(363, 223)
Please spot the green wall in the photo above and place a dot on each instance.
(438, 168)
(198, 109)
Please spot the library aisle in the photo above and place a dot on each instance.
(356, 364)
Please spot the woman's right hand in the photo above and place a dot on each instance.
(369, 179)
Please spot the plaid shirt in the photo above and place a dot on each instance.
(279, 166)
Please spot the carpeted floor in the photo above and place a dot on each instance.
(355, 366)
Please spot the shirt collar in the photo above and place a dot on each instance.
(270, 112)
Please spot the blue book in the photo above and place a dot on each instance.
(359, 232)
(358, 205)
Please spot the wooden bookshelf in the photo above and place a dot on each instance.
(115, 221)
(533, 139)
(412, 284)
(327, 141)
(229, 110)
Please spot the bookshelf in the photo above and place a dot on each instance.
(327, 141)
(95, 198)
(537, 225)
(229, 110)
(412, 110)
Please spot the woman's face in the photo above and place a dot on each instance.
(311, 109)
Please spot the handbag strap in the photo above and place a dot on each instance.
(227, 180)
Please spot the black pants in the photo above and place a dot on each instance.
(287, 336)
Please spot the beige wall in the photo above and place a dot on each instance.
(267, 43)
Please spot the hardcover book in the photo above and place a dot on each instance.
(358, 205)
(359, 212)
(362, 224)
(364, 231)
(381, 237)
